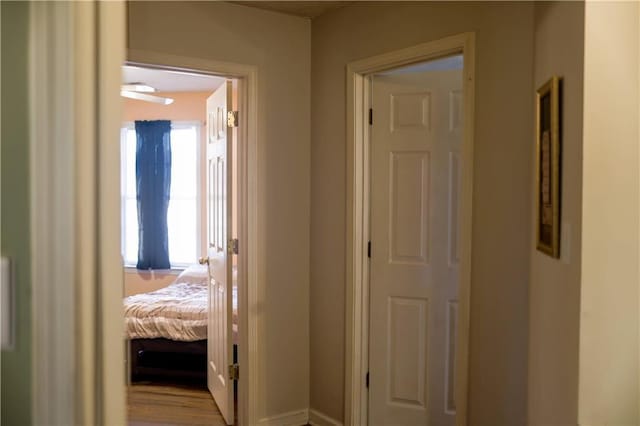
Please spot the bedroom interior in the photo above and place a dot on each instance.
(167, 223)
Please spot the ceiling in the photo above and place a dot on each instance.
(170, 81)
(442, 64)
(305, 9)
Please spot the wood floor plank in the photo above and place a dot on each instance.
(160, 405)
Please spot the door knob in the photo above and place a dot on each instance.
(203, 261)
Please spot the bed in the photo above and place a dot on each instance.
(167, 329)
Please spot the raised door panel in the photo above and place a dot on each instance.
(415, 190)
(410, 111)
(407, 325)
(409, 205)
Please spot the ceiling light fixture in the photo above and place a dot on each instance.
(138, 87)
(145, 97)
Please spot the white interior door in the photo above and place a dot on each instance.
(219, 334)
(415, 141)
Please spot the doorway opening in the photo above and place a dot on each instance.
(185, 181)
(410, 164)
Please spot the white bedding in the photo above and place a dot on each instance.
(176, 312)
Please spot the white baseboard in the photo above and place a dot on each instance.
(292, 418)
(316, 418)
(299, 418)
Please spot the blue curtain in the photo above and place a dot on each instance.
(153, 185)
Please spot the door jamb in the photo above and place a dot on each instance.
(52, 153)
(77, 354)
(357, 220)
(248, 208)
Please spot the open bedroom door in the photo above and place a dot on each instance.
(220, 368)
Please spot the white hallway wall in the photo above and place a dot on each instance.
(554, 291)
(584, 323)
(609, 390)
(501, 238)
(584, 345)
(280, 46)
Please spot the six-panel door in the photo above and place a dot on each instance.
(415, 169)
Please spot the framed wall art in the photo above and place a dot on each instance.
(548, 170)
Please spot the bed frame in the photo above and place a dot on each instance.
(168, 360)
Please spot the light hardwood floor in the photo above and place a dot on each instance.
(154, 405)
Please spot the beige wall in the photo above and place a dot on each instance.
(502, 201)
(145, 281)
(279, 46)
(577, 304)
(554, 292)
(608, 385)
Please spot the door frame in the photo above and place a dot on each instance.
(76, 50)
(76, 53)
(248, 210)
(358, 216)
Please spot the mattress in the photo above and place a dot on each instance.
(176, 312)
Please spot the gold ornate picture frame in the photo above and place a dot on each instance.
(548, 167)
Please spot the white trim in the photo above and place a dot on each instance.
(201, 184)
(317, 418)
(86, 208)
(110, 33)
(85, 108)
(357, 236)
(78, 373)
(292, 418)
(249, 298)
(52, 190)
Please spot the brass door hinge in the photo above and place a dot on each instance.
(232, 118)
(232, 246)
(234, 372)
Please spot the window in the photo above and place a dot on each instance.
(183, 217)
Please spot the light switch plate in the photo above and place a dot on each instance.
(6, 304)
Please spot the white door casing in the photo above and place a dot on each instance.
(357, 217)
(219, 180)
(76, 52)
(415, 188)
(250, 348)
